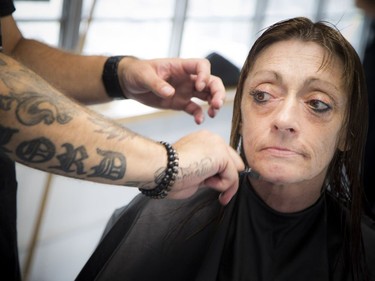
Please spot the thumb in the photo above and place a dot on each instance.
(158, 86)
(165, 91)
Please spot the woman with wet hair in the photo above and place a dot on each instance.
(299, 123)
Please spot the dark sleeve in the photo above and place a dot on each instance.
(9, 264)
(6, 7)
(155, 240)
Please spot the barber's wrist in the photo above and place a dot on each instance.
(167, 178)
(110, 78)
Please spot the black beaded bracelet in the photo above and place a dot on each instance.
(110, 78)
(170, 174)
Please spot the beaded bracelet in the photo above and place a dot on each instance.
(170, 174)
(110, 78)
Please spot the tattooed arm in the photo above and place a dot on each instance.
(48, 131)
(44, 129)
(161, 83)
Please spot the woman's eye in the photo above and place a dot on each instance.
(260, 96)
(319, 106)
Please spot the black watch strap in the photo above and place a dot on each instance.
(110, 78)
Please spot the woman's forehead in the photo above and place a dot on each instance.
(299, 57)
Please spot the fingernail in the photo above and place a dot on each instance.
(201, 86)
(167, 90)
(199, 120)
(214, 112)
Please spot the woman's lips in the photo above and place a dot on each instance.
(281, 151)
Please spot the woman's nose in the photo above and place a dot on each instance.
(286, 118)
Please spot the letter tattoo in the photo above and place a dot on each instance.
(5, 102)
(36, 151)
(111, 167)
(5, 136)
(72, 157)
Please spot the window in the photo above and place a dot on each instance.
(186, 28)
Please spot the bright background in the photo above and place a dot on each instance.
(60, 220)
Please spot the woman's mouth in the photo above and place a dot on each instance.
(277, 151)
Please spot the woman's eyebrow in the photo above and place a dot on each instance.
(325, 83)
(332, 90)
(270, 73)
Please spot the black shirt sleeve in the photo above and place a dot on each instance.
(6, 7)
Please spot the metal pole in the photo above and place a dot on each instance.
(179, 18)
(69, 25)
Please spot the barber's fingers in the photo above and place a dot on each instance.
(195, 110)
(214, 93)
(217, 90)
(199, 70)
(227, 179)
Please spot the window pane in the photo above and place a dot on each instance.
(347, 18)
(143, 39)
(139, 9)
(47, 32)
(228, 8)
(38, 9)
(342, 7)
(282, 9)
(228, 38)
(39, 19)
(140, 28)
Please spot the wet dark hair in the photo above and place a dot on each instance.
(345, 170)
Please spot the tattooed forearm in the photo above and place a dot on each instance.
(41, 150)
(37, 113)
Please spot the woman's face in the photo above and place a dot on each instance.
(292, 113)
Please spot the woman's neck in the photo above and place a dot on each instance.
(289, 198)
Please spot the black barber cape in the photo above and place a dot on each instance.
(197, 239)
(9, 265)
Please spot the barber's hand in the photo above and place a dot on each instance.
(206, 161)
(172, 83)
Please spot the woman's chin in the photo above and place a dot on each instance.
(278, 175)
